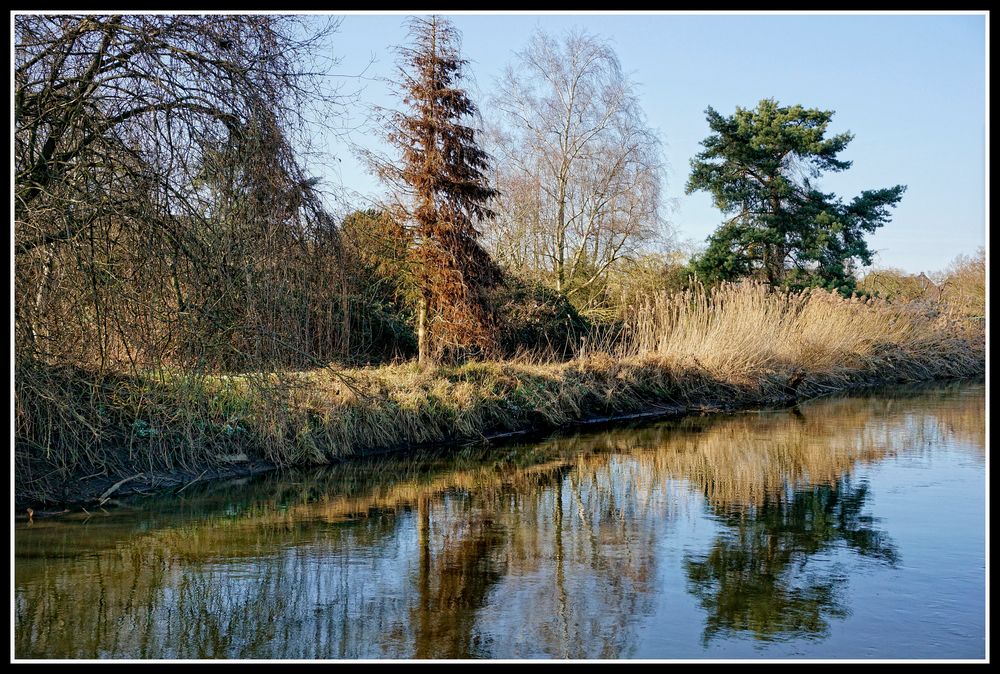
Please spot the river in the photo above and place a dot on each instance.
(847, 527)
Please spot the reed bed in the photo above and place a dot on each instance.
(749, 333)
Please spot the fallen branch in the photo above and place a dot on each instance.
(191, 482)
(103, 498)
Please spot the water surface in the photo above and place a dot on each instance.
(850, 527)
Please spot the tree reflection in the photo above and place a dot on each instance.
(453, 584)
(760, 575)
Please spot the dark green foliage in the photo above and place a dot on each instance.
(754, 579)
(381, 315)
(759, 165)
(534, 319)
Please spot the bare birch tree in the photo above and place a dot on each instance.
(579, 170)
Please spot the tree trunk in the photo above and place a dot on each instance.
(424, 638)
(345, 328)
(422, 354)
(776, 260)
(561, 240)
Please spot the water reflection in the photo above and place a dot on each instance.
(765, 574)
(552, 549)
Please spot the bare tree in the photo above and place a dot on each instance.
(580, 171)
(442, 172)
(160, 210)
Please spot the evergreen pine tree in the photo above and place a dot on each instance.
(759, 165)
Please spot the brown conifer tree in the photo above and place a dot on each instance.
(443, 172)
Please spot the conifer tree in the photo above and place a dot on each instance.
(442, 171)
(759, 166)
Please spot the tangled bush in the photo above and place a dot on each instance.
(536, 320)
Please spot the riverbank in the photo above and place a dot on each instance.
(79, 434)
(325, 420)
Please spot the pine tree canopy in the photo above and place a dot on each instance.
(760, 165)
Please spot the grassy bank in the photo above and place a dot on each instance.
(736, 346)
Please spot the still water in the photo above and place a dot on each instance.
(850, 527)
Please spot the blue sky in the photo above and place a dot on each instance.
(912, 89)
